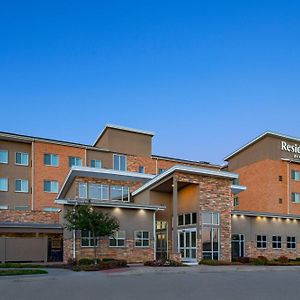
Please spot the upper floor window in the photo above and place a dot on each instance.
(295, 198)
(141, 169)
(21, 185)
(75, 161)
(119, 162)
(235, 201)
(117, 239)
(50, 160)
(210, 218)
(87, 239)
(120, 193)
(51, 209)
(82, 190)
(295, 175)
(98, 191)
(21, 207)
(3, 184)
(96, 163)
(187, 219)
(3, 157)
(50, 186)
(22, 158)
(261, 241)
(160, 171)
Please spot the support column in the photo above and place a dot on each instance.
(175, 205)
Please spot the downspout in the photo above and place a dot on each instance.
(154, 234)
(74, 238)
(32, 175)
(156, 166)
(288, 187)
(85, 157)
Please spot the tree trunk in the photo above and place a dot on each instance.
(95, 248)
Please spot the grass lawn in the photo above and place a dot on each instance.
(22, 272)
(19, 265)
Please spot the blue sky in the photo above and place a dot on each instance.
(205, 76)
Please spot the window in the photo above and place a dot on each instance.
(21, 207)
(50, 186)
(3, 157)
(261, 241)
(160, 171)
(22, 158)
(51, 209)
(50, 160)
(3, 184)
(210, 218)
(120, 193)
(75, 161)
(21, 186)
(291, 242)
(235, 201)
(96, 163)
(87, 239)
(279, 178)
(141, 169)
(82, 190)
(280, 200)
(295, 175)
(276, 242)
(210, 243)
(98, 191)
(119, 162)
(187, 219)
(295, 198)
(118, 239)
(142, 238)
(3, 207)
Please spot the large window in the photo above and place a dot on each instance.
(276, 242)
(50, 160)
(3, 157)
(119, 162)
(210, 242)
(98, 191)
(210, 218)
(261, 241)
(142, 238)
(291, 242)
(120, 193)
(82, 190)
(50, 186)
(187, 219)
(87, 239)
(117, 239)
(295, 198)
(295, 175)
(3, 184)
(22, 158)
(75, 161)
(96, 163)
(21, 185)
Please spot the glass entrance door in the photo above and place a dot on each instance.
(187, 244)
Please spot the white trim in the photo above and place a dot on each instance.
(260, 137)
(262, 214)
(22, 153)
(187, 169)
(122, 128)
(22, 180)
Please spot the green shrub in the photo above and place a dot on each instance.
(242, 260)
(283, 259)
(211, 262)
(107, 259)
(85, 261)
(260, 260)
(297, 259)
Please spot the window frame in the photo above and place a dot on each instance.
(293, 199)
(119, 162)
(76, 158)
(141, 169)
(293, 177)
(96, 160)
(142, 239)
(22, 164)
(212, 213)
(89, 238)
(115, 237)
(294, 243)
(7, 157)
(22, 181)
(184, 219)
(277, 240)
(122, 192)
(86, 190)
(101, 186)
(7, 187)
(51, 182)
(51, 160)
(261, 241)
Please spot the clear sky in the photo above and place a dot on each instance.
(205, 76)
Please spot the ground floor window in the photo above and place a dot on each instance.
(276, 242)
(291, 242)
(161, 240)
(210, 243)
(117, 239)
(261, 241)
(142, 238)
(87, 239)
(238, 245)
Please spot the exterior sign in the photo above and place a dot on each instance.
(292, 148)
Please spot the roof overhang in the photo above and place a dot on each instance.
(110, 204)
(123, 129)
(185, 169)
(236, 189)
(100, 174)
(30, 225)
(264, 214)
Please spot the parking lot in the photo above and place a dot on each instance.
(157, 283)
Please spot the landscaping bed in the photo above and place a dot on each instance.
(22, 272)
(163, 263)
(86, 264)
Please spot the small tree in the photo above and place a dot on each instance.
(84, 217)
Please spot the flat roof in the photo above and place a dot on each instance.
(100, 174)
(123, 128)
(185, 169)
(261, 136)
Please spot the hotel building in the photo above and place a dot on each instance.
(166, 207)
